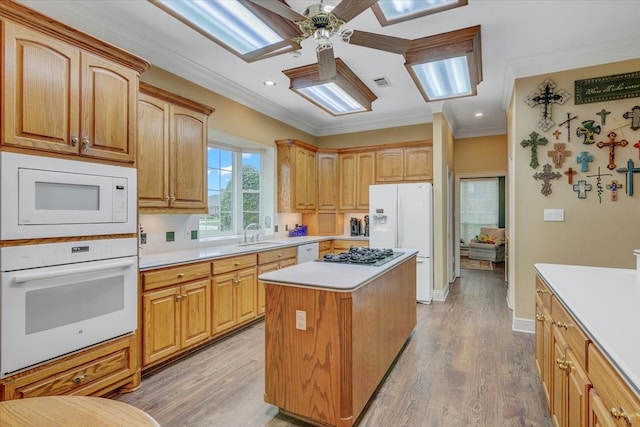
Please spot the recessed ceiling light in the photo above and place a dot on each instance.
(479, 114)
(269, 83)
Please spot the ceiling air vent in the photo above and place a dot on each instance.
(382, 81)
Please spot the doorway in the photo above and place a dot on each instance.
(481, 202)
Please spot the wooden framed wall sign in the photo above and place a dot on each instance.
(607, 88)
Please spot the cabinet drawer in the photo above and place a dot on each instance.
(543, 291)
(344, 245)
(276, 255)
(86, 373)
(611, 388)
(325, 245)
(235, 263)
(576, 339)
(174, 275)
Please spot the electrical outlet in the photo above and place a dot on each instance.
(194, 234)
(286, 227)
(143, 238)
(301, 320)
(554, 215)
(275, 228)
(170, 236)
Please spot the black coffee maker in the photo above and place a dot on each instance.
(356, 226)
(366, 225)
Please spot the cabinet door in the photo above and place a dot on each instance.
(261, 294)
(542, 345)
(109, 93)
(327, 181)
(187, 159)
(599, 415)
(390, 165)
(161, 324)
(558, 385)
(246, 295)
(366, 175)
(418, 164)
(348, 184)
(223, 308)
(311, 181)
(578, 386)
(195, 312)
(40, 91)
(304, 186)
(153, 152)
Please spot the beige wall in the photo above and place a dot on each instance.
(377, 137)
(481, 154)
(229, 116)
(593, 233)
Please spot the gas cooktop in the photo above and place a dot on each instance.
(362, 256)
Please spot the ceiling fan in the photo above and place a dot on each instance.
(322, 22)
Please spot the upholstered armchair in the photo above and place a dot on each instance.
(488, 245)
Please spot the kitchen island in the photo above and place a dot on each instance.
(332, 331)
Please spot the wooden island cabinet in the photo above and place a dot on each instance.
(582, 386)
(331, 335)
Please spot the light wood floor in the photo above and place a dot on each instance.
(462, 366)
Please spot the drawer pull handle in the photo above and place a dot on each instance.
(621, 414)
(279, 255)
(541, 291)
(85, 142)
(180, 275)
(178, 297)
(79, 379)
(562, 364)
(74, 140)
(562, 325)
(540, 317)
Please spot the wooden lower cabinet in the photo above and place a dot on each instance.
(344, 245)
(270, 261)
(92, 372)
(581, 385)
(324, 248)
(175, 318)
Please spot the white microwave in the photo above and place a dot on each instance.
(50, 197)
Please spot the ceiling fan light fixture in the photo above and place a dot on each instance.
(344, 94)
(447, 65)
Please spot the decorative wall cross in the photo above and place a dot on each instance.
(570, 172)
(599, 182)
(603, 116)
(557, 134)
(637, 145)
(546, 176)
(533, 142)
(634, 115)
(629, 170)
(612, 144)
(583, 159)
(558, 154)
(614, 186)
(568, 123)
(588, 130)
(581, 188)
(545, 99)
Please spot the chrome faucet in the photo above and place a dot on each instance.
(255, 236)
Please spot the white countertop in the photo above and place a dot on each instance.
(333, 276)
(606, 304)
(164, 259)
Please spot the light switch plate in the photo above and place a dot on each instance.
(554, 215)
(301, 320)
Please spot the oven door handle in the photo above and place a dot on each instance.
(22, 278)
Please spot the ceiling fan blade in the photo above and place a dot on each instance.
(326, 64)
(349, 9)
(379, 41)
(279, 8)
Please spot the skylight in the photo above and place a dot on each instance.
(393, 11)
(333, 98)
(229, 23)
(447, 78)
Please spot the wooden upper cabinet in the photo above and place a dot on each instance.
(296, 176)
(57, 97)
(172, 152)
(327, 181)
(404, 164)
(357, 172)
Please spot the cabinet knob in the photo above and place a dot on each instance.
(178, 297)
(562, 364)
(540, 317)
(180, 275)
(541, 291)
(172, 198)
(80, 378)
(85, 142)
(562, 325)
(166, 197)
(74, 140)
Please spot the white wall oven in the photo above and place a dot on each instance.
(49, 197)
(56, 298)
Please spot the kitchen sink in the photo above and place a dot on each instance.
(259, 244)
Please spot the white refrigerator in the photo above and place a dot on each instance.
(401, 216)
